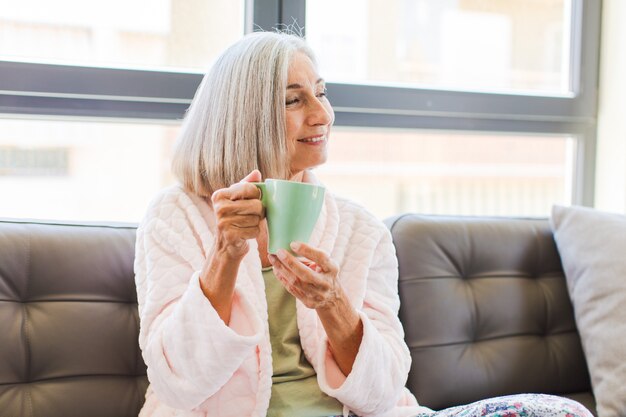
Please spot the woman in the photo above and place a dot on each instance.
(226, 328)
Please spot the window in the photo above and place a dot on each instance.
(393, 171)
(100, 170)
(181, 34)
(92, 99)
(446, 106)
(466, 68)
(513, 45)
(88, 59)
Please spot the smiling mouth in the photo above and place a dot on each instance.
(313, 140)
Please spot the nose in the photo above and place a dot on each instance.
(319, 113)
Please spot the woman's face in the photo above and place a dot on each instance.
(309, 116)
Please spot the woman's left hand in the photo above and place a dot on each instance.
(313, 283)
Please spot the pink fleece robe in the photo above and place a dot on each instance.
(198, 366)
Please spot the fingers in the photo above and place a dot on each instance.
(238, 211)
(239, 219)
(237, 234)
(239, 191)
(313, 289)
(289, 284)
(294, 285)
(239, 222)
(320, 259)
(307, 272)
(225, 208)
(243, 190)
(282, 271)
(288, 264)
(254, 176)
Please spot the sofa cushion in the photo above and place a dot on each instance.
(485, 309)
(592, 245)
(68, 320)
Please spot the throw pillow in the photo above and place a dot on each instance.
(592, 246)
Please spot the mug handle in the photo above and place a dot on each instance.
(261, 187)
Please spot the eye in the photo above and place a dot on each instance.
(292, 101)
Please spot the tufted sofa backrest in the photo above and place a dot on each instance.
(68, 321)
(485, 310)
(484, 307)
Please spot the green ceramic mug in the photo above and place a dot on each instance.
(291, 210)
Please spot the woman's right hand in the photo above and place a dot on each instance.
(239, 212)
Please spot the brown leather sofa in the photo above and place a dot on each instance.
(68, 321)
(486, 310)
(484, 306)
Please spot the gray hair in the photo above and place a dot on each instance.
(236, 121)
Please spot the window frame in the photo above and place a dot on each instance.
(65, 91)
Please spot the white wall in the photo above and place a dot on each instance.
(610, 192)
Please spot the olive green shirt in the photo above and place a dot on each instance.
(295, 392)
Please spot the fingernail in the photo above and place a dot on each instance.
(295, 246)
(282, 254)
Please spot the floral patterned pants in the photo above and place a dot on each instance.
(521, 405)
